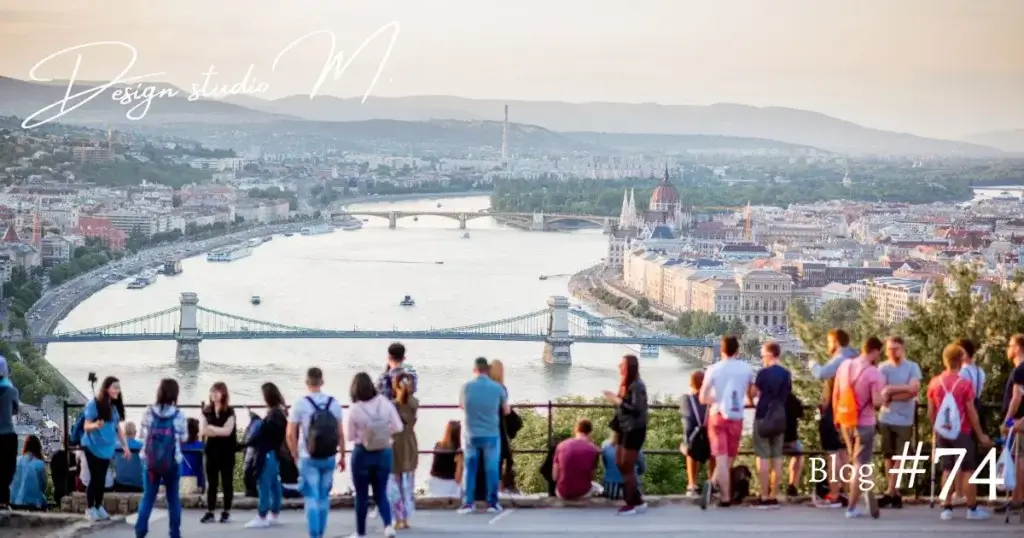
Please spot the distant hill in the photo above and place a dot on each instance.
(788, 125)
(23, 98)
(1012, 141)
(671, 143)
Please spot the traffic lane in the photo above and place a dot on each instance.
(670, 521)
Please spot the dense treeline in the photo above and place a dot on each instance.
(769, 186)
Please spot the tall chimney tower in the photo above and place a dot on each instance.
(504, 141)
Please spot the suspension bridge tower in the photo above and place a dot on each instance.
(556, 345)
(188, 335)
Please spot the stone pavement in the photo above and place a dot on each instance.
(658, 522)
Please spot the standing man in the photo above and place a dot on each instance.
(1013, 395)
(316, 439)
(726, 387)
(976, 376)
(8, 437)
(396, 366)
(856, 395)
(896, 419)
(772, 387)
(484, 402)
(838, 343)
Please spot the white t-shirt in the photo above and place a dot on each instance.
(724, 373)
(302, 412)
(975, 375)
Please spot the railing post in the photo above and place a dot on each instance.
(65, 434)
(551, 425)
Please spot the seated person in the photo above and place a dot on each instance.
(28, 488)
(446, 470)
(128, 471)
(193, 477)
(612, 477)
(289, 475)
(575, 464)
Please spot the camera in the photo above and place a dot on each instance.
(92, 378)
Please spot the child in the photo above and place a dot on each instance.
(695, 446)
(612, 477)
(951, 409)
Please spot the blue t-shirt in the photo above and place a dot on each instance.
(774, 384)
(482, 400)
(103, 441)
(8, 405)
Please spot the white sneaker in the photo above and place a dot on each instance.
(356, 535)
(978, 514)
(273, 519)
(389, 531)
(642, 508)
(257, 523)
(466, 509)
(946, 514)
(92, 514)
(494, 508)
(102, 514)
(853, 513)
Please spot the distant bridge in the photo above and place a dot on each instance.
(532, 221)
(558, 326)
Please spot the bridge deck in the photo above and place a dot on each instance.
(662, 522)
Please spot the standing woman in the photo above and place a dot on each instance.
(630, 423)
(405, 454)
(267, 441)
(164, 429)
(372, 421)
(103, 433)
(507, 474)
(218, 427)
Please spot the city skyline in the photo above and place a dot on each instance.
(890, 67)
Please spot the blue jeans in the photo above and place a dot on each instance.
(491, 448)
(150, 487)
(268, 487)
(371, 469)
(316, 477)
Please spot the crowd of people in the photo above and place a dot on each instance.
(866, 394)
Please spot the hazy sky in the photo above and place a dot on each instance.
(933, 67)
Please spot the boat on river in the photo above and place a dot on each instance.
(407, 301)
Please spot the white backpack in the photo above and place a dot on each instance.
(947, 419)
(732, 401)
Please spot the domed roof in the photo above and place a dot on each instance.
(665, 194)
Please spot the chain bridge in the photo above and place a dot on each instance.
(558, 326)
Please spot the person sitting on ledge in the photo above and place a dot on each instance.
(575, 464)
(128, 471)
(28, 489)
(612, 484)
(192, 461)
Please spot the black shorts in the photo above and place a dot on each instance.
(828, 434)
(633, 439)
(962, 442)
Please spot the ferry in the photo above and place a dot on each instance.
(143, 280)
(407, 301)
(267, 238)
(288, 234)
(465, 235)
(317, 229)
(229, 254)
(171, 268)
(350, 225)
(254, 242)
(255, 300)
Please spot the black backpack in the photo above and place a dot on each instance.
(322, 436)
(773, 422)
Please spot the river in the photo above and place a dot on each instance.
(356, 279)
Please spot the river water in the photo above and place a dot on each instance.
(356, 279)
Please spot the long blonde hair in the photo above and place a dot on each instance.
(497, 372)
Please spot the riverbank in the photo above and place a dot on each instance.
(57, 302)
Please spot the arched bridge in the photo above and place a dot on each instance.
(557, 326)
(532, 221)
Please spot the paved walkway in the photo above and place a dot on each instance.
(663, 522)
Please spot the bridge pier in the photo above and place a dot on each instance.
(538, 224)
(392, 220)
(462, 221)
(557, 345)
(188, 337)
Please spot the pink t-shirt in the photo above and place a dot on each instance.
(867, 379)
(359, 415)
